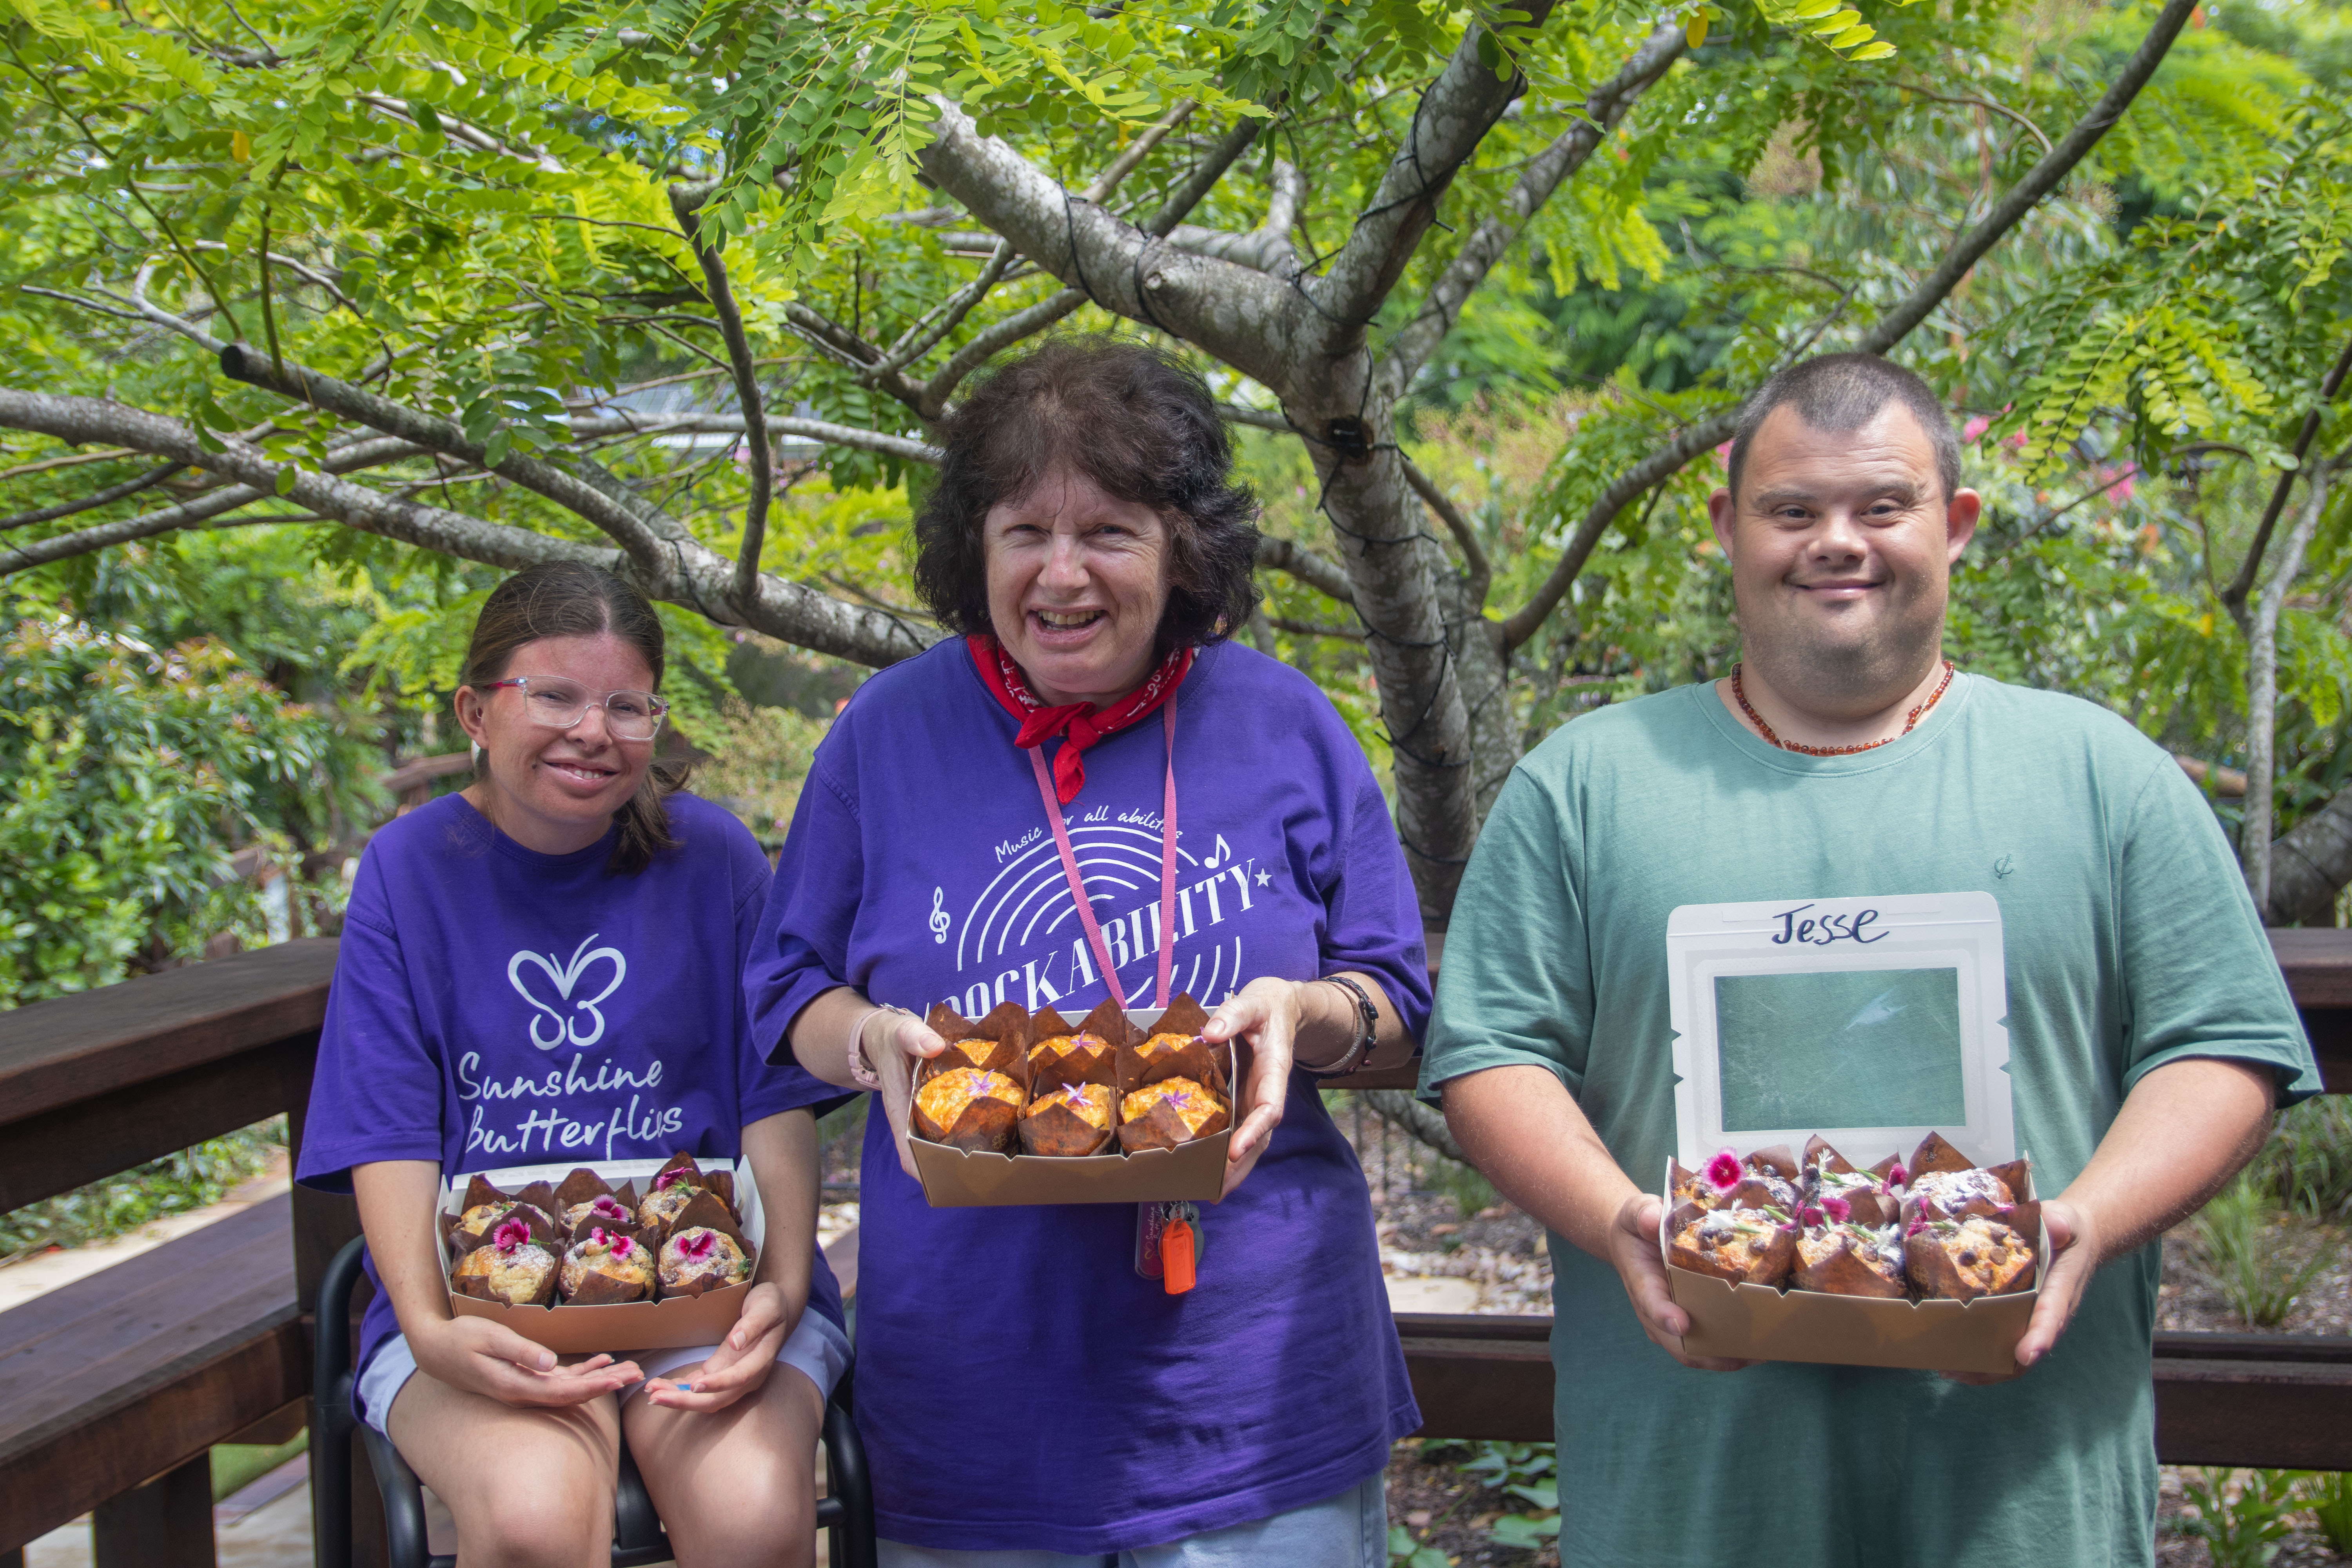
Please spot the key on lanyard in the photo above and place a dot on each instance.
(1169, 1244)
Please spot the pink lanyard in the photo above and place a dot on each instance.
(1167, 864)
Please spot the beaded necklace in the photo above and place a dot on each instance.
(1740, 695)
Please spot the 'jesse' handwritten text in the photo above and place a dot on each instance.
(1826, 929)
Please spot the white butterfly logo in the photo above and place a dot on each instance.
(565, 979)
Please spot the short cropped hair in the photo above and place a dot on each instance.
(1846, 391)
(1136, 422)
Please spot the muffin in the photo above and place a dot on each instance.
(476, 1226)
(1954, 1194)
(1745, 1246)
(603, 1209)
(672, 1190)
(1089, 1102)
(698, 1259)
(1070, 1120)
(1061, 1046)
(509, 1268)
(1848, 1259)
(1961, 1259)
(1726, 1182)
(1160, 1046)
(969, 1107)
(604, 1268)
(1171, 1111)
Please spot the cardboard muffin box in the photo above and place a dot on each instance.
(982, 1178)
(573, 1330)
(1871, 1022)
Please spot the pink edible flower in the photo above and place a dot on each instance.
(697, 1244)
(668, 1179)
(1723, 1171)
(608, 1207)
(1838, 1209)
(1898, 1176)
(510, 1234)
(1813, 1216)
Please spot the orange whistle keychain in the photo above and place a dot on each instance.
(1176, 1258)
(1168, 1243)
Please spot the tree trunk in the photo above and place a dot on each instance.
(2262, 693)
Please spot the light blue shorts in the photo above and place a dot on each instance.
(1350, 1531)
(816, 1345)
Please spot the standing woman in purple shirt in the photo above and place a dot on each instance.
(546, 970)
(1026, 1399)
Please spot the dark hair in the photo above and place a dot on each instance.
(1137, 423)
(567, 599)
(1845, 391)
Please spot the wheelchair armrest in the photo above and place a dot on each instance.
(404, 1505)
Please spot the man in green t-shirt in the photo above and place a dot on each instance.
(2149, 1032)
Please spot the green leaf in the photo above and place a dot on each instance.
(287, 477)
(494, 450)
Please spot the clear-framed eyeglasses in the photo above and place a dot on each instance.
(559, 703)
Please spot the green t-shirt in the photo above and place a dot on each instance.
(2130, 941)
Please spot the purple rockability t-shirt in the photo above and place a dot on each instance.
(1019, 1385)
(495, 1006)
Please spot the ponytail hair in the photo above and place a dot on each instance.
(569, 599)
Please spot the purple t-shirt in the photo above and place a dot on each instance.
(1019, 1385)
(495, 1006)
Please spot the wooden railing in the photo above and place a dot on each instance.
(94, 1084)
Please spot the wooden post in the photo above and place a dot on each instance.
(167, 1523)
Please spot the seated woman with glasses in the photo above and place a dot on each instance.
(542, 971)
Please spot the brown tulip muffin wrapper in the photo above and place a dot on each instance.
(1052, 1130)
(1093, 1063)
(696, 1284)
(600, 1317)
(598, 1288)
(463, 1240)
(996, 1043)
(986, 1122)
(478, 1288)
(1206, 1065)
(1162, 1128)
(1838, 1268)
(1758, 1322)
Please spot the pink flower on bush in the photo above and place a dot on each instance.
(1723, 1171)
(1975, 427)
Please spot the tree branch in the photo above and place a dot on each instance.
(2038, 181)
(627, 525)
(685, 203)
(2233, 597)
(1240, 316)
(1326, 577)
(153, 477)
(687, 572)
(1266, 248)
(1448, 123)
(1480, 572)
(624, 422)
(202, 509)
(1890, 329)
(1543, 174)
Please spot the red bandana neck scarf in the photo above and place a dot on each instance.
(1076, 723)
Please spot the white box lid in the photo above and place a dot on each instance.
(1871, 1021)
